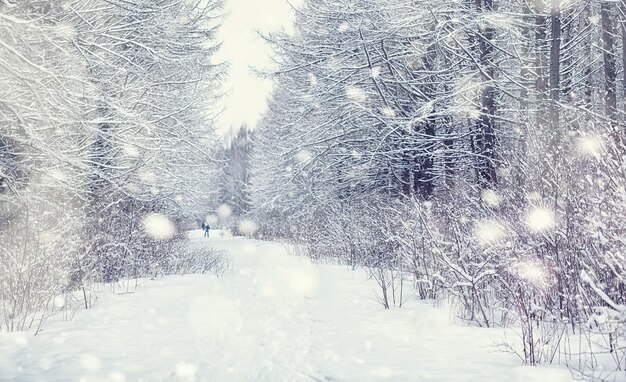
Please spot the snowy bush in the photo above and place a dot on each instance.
(34, 270)
(188, 258)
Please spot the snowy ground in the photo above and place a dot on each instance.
(271, 317)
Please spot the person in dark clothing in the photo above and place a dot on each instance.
(206, 228)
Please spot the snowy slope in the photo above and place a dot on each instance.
(271, 317)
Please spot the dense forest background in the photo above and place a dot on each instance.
(467, 151)
(106, 142)
(470, 150)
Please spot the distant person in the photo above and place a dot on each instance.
(206, 228)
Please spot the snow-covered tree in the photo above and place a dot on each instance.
(234, 193)
(41, 177)
(106, 140)
(492, 130)
(151, 121)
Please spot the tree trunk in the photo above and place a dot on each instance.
(555, 73)
(622, 20)
(486, 123)
(610, 72)
(540, 66)
(423, 177)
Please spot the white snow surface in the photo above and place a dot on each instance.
(272, 317)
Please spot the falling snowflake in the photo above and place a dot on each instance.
(57, 174)
(159, 226)
(247, 227)
(303, 280)
(130, 150)
(589, 145)
(46, 237)
(117, 377)
(532, 272)
(356, 154)
(375, 72)
(355, 94)
(66, 31)
(382, 372)
(90, 362)
(388, 112)
(211, 219)
(186, 370)
(304, 156)
(489, 231)
(224, 211)
(491, 198)
(59, 301)
(147, 176)
(540, 219)
(249, 248)
(45, 363)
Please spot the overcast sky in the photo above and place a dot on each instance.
(242, 47)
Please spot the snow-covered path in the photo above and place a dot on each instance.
(271, 317)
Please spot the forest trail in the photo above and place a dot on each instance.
(271, 317)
